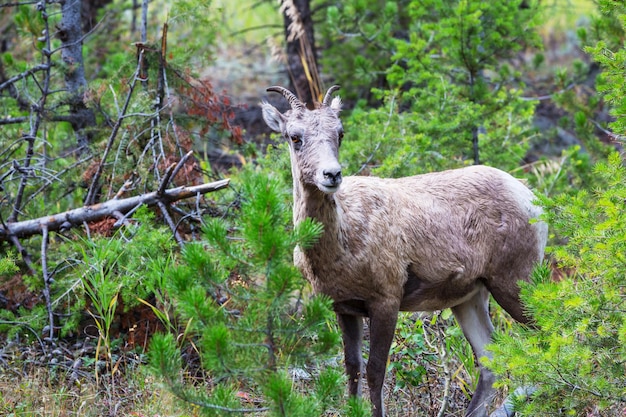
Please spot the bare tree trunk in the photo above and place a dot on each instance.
(89, 13)
(301, 51)
(80, 116)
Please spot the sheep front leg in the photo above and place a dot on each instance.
(382, 329)
(352, 334)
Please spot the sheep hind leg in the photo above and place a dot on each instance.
(352, 334)
(508, 299)
(473, 317)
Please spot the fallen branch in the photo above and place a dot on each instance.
(99, 211)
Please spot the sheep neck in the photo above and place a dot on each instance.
(309, 201)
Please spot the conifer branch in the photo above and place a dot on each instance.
(180, 393)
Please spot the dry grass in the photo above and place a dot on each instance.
(47, 392)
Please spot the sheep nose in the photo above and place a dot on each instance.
(333, 176)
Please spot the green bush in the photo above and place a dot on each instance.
(96, 275)
(357, 39)
(575, 355)
(450, 98)
(247, 312)
(608, 32)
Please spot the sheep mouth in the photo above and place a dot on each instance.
(329, 188)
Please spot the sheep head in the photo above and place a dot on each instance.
(314, 137)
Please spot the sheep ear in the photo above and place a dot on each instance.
(274, 119)
(336, 104)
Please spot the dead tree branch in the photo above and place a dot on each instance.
(93, 189)
(46, 280)
(172, 171)
(37, 120)
(28, 72)
(76, 217)
(170, 223)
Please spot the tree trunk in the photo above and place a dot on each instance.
(301, 52)
(89, 13)
(70, 32)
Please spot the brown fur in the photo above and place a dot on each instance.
(426, 242)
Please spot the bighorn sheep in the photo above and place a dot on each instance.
(427, 242)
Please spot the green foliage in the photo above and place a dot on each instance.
(7, 269)
(100, 276)
(451, 99)
(411, 344)
(382, 141)
(432, 340)
(101, 286)
(7, 264)
(248, 310)
(358, 43)
(118, 271)
(575, 356)
(193, 29)
(609, 31)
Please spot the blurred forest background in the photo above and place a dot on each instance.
(145, 220)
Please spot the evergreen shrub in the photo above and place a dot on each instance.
(574, 357)
(248, 314)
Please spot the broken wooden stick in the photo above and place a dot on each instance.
(75, 217)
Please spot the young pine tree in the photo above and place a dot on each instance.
(246, 313)
(574, 358)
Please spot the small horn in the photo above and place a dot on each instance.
(329, 94)
(294, 101)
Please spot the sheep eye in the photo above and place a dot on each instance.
(297, 141)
